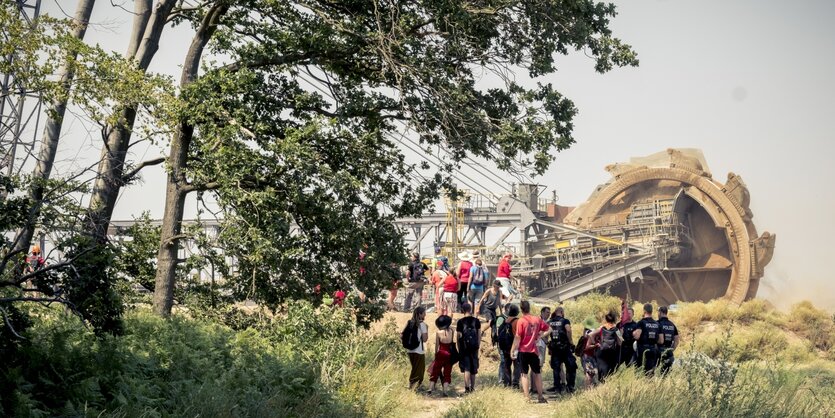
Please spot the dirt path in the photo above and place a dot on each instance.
(488, 391)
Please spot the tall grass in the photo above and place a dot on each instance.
(183, 367)
(703, 387)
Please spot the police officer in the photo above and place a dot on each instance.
(627, 351)
(670, 334)
(562, 351)
(648, 336)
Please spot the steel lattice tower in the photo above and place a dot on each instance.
(20, 107)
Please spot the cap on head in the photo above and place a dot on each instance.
(497, 283)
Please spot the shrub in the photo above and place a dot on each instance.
(814, 324)
(594, 305)
(700, 387)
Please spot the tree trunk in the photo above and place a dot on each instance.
(144, 43)
(52, 131)
(177, 186)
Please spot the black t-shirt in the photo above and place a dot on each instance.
(649, 331)
(558, 332)
(468, 322)
(669, 329)
(628, 327)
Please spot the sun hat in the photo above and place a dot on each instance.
(464, 256)
(443, 322)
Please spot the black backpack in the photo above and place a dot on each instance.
(608, 339)
(478, 279)
(417, 272)
(506, 334)
(469, 339)
(409, 337)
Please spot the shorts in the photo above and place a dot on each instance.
(530, 361)
(468, 363)
(450, 299)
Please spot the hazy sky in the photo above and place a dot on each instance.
(748, 82)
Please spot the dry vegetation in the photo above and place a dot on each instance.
(734, 361)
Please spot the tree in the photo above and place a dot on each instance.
(148, 24)
(307, 179)
(52, 131)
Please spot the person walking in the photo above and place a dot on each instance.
(585, 351)
(669, 331)
(503, 275)
(469, 340)
(649, 337)
(416, 278)
(442, 365)
(561, 350)
(530, 329)
(478, 279)
(490, 304)
(512, 370)
(627, 349)
(440, 257)
(449, 300)
(607, 342)
(542, 343)
(417, 356)
(462, 271)
(437, 281)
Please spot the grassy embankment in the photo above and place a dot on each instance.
(746, 361)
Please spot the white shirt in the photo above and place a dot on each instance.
(422, 329)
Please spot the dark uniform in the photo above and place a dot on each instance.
(627, 351)
(648, 344)
(561, 353)
(669, 329)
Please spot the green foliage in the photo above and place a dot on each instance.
(136, 254)
(702, 387)
(186, 367)
(295, 131)
(90, 284)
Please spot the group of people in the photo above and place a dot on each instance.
(452, 287)
(524, 342)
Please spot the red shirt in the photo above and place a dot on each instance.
(504, 269)
(529, 329)
(450, 284)
(464, 273)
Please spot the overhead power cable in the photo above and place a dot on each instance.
(485, 191)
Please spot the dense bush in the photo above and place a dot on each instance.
(188, 367)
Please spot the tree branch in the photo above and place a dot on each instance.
(147, 163)
(9, 323)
